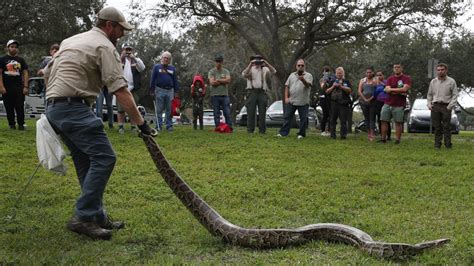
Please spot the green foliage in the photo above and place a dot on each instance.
(37, 25)
(400, 193)
(148, 45)
(459, 55)
(286, 31)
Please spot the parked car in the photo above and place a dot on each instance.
(35, 100)
(419, 119)
(241, 118)
(208, 117)
(3, 112)
(275, 116)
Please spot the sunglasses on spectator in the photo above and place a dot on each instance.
(300, 65)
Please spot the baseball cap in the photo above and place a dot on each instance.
(111, 13)
(126, 45)
(219, 57)
(10, 42)
(257, 56)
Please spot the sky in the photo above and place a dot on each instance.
(467, 20)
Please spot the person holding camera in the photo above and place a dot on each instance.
(256, 74)
(340, 91)
(297, 95)
(324, 101)
(132, 68)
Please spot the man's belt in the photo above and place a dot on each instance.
(52, 101)
(165, 88)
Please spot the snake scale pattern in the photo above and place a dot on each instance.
(276, 238)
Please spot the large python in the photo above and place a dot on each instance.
(275, 238)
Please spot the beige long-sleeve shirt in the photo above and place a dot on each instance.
(442, 91)
(83, 65)
(257, 77)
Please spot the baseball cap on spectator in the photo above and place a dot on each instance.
(10, 42)
(126, 45)
(111, 13)
(219, 57)
(54, 47)
(257, 56)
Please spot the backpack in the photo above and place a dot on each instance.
(223, 128)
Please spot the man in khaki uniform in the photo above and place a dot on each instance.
(441, 98)
(83, 65)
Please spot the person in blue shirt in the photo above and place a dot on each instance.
(164, 86)
(380, 97)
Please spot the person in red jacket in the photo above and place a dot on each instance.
(198, 91)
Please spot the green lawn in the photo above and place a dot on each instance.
(396, 193)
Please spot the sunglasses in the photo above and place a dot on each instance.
(300, 65)
(218, 61)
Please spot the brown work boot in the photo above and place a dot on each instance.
(90, 229)
(110, 224)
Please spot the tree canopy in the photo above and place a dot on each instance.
(284, 31)
(40, 23)
(45, 21)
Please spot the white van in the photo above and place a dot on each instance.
(35, 102)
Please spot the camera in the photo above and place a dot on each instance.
(300, 72)
(258, 61)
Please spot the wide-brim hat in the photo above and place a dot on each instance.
(111, 13)
(219, 57)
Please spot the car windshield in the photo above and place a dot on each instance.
(208, 113)
(420, 105)
(276, 106)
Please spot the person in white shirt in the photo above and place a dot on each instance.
(132, 68)
(256, 73)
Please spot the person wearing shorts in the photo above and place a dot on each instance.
(397, 87)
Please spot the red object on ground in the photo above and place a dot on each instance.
(223, 128)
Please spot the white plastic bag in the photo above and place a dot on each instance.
(50, 149)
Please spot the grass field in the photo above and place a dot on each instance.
(396, 193)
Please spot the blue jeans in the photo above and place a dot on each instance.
(221, 103)
(100, 104)
(163, 100)
(290, 110)
(94, 159)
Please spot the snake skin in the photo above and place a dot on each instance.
(276, 238)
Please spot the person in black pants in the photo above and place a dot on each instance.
(340, 91)
(324, 101)
(14, 84)
(198, 91)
